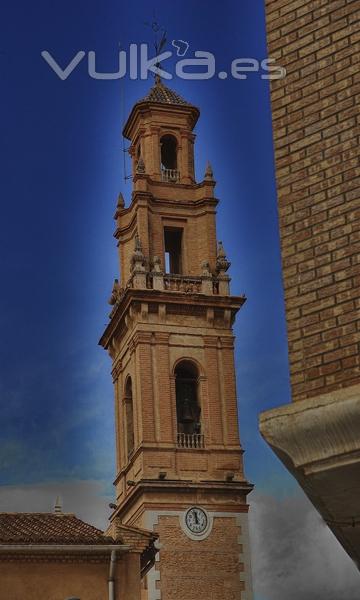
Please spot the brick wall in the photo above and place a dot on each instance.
(197, 221)
(193, 570)
(316, 126)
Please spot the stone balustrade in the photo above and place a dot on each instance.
(204, 284)
(187, 284)
(179, 283)
(190, 440)
(170, 175)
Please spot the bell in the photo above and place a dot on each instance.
(187, 416)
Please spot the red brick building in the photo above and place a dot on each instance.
(316, 125)
(58, 556)
(179, 459)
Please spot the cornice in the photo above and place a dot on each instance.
(142, 337)
(210, 341)
(161, 337)
(141, 109)
(318, 433)
(318, 441)
(233, 303)
(149, 201)
(168, 486)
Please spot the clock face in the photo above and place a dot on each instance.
(196, 520)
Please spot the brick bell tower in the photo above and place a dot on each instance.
(179, 459)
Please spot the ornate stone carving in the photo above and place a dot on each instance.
(157, 264)
(140, 168)
(157, 274)
(138, 258)
(138, 266)
(178, 283)
(115, 293)
(222, 263)
(206, 278)
(205, 267)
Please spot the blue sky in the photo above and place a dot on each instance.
(62, 170)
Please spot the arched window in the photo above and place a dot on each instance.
(129, 417)
(168, 152)
(188, 409)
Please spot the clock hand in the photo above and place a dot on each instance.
(196, 518)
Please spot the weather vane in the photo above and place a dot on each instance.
(160, 40)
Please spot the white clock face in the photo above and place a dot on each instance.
(196, 520)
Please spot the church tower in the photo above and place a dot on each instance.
(179, 459)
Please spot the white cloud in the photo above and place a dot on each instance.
(295, 555)
(89, 500)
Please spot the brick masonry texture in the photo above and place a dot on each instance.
(316, 126)
(152, 330)
(190, 567)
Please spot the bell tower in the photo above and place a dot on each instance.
(179, 459)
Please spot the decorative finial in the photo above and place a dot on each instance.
(115, 293)
(138, 244)
(121, 201)
(57, 506)
(120, 205)
(138, 258)
(205, 266)
(221, 250)
(209, 175)
(140, 166)
(222, 263)
(157, 264)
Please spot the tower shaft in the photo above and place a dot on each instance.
(179, 459)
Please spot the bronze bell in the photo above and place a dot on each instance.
(187, 416)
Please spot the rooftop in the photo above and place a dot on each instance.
(48, 528)
(164, 95)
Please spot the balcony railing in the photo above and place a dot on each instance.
(170, 175)
(180, 283)
(190, 440)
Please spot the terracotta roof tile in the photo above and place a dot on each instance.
(48, 528)
(159, 93)
(163, 97)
